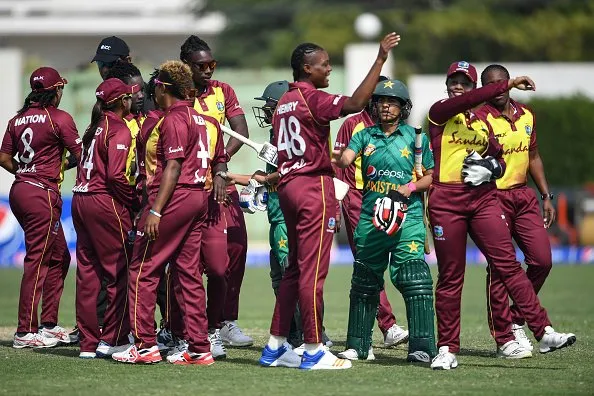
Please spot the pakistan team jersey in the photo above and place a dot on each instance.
(387, 163)
(275, 215)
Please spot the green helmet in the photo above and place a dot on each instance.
(271, 96)
(394, 89)
(274, 91)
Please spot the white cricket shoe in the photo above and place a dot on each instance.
(444, 360)
(513, 350)
(55, 332)
(351, 354)
(232, 335)
(323, 360)
(186, 357)
(521, 337)
(216, 345)
(87, 355)
(301, 348)
(135, 355)
(34, 340)
(551, 340)
(281, 357)
(104, 350)
(395, 335)
(182, 346)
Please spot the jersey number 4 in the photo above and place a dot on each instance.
(289, 138)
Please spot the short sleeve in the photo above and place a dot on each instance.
(7, 146)
(344, 133)
(428, 161)
(533, 145)
(358, 141)
(325, 107)
(174, 136)
(69, 134)
(232, 106)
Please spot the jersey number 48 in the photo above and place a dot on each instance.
(289, 138)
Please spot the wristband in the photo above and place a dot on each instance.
(412, 187)
(155, 213)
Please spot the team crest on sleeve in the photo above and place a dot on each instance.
(528, 129)
(438, 233)
(331, 224)
(370, 149)
(220, 106)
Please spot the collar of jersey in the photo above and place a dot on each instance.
(519, 110)
(376, 131)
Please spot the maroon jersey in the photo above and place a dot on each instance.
(38, 137)
(103, 164)
(352, 174)
(150, 122)
(183, 135)
(301, 125)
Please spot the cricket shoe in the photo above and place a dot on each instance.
(33, 340)
(323, 360)
(55, 332)
(104, 350)
(551, 340)
(444, 360)
(281, 357)
(395, 335)
(135, 355)
(301, 349)
(216, 344)
(186, 357)
(513, 350)
(521, 336)
(182, 346)
(74, 335)
(87, 355)
(418, 357)
(351, 354)
(232, 335)
(165, 339)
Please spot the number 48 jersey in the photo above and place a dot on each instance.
(301, 125)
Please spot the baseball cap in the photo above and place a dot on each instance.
(463, 67)
(111, 49)
(46, 78)
(274, 91)
(113, 89)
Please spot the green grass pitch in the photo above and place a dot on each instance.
(567, 295)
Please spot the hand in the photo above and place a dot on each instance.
(404, 190)
(548, 213)
(219, 186)
(337, 153)
(260, 176)
(523, 83)
(151, 226)
(389, 41)
(338, 218)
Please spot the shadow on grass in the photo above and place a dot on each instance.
(476, 352)
(514, 367)
(58, 351)
(6, 343)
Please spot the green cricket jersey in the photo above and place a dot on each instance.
(275, 215)
(387, 163)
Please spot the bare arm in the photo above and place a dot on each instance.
(536, 170)
(169, 180)
(239, 125)
(422, 184)
(362, 94)
(8, 162)
(342, 158)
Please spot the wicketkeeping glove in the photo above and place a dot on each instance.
(389, 212)
(477, 170)
(253, 197)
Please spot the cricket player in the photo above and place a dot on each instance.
(301, 126)
(514, 127)
(110, 52)
(102, 212)
(172, 222)
(351, 209)
(227, 231)
(387, 152)
(463, 199)
(33, 149)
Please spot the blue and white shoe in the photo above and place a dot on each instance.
(281, 357)
(323, 360)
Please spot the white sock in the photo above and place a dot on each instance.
(275, 342)
(312, 349)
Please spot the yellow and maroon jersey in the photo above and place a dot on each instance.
(134, 124)
(454, 128)
(218, 101)
(146, 144)
(517, 136)
(352, 175)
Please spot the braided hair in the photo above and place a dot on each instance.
(179, 75)
(123, 71)
(494, 67)
(43, 98)
(298, 58)
(191, 45)
(150, 86)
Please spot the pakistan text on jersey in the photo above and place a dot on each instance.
(30, 119)
(380, 186)
(287, 107)
(476, 140)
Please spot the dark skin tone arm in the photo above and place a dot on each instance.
(239, 125)
(219, 185)
(170, 176)
(8, 163)
(536, 169)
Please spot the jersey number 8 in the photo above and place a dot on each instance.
(289, 138)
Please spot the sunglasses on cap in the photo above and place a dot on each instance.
(202, 66)
(159, 82)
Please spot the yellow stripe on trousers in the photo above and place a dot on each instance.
(491, 322)
(136, 291)
(127, 265)
(319, 258)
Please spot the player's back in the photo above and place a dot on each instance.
(36, 139)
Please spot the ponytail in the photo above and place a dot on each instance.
(44, 98)
(97, 115)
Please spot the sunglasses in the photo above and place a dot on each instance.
(101, 64)
(159, 82)
(202, 66)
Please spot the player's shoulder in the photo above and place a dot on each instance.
(523, 107)
(222, 85)
(58, 115)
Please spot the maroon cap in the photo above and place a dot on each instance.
(463, 67)
(113, 89)
(46, 78)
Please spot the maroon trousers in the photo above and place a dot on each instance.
(454, 211)
(308, 204)
(179, 243)
(54, 280)
(351, 210)
(524, 218)
(102, 225)
(38, 212)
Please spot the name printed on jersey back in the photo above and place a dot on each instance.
(286, 108)
(30, 119)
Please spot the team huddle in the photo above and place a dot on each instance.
(155, 208)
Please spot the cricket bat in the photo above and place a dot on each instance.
(419, 172)
(269, 154)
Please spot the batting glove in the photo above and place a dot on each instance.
(389, 212)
